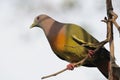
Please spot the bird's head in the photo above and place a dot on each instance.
(39, 20)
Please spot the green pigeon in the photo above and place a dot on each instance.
(60, 37)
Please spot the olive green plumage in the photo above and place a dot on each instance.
(60, 37)
(73, 47)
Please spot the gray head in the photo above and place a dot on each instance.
(39, 20)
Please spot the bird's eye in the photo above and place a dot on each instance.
(38, 18)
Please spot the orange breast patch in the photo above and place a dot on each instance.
(60, 41)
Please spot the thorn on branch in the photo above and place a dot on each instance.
(105, 20)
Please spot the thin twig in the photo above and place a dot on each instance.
(115, 16)
(63, 70)
(44, 77)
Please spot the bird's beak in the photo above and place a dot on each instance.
(33, 25)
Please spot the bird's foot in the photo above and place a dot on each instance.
(71, 66)
(91, 53)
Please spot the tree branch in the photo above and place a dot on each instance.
(110, 36)
(114, 69)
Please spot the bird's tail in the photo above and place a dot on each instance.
(103, 65)
(116, 71)
(102, 61)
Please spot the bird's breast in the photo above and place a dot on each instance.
(58, 41)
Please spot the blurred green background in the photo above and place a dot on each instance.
(25, 53)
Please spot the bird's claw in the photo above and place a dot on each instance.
(91, 53)
(71, 66)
